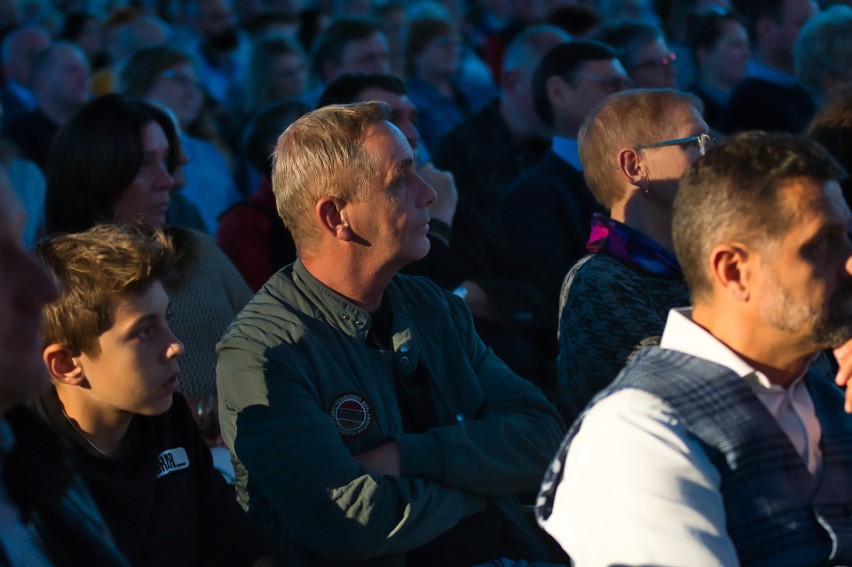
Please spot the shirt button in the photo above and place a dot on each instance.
(404, 361)
(345, 317)
(404, 348)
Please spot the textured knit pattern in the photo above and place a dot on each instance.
(777, 513)
(606, 309)
(209, 297)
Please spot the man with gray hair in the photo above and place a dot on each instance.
(369, 421)
(728, 444)
(822, 55)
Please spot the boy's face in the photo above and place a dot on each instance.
(137, 368)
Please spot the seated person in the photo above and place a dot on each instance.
(113, 361)
(369, 420)
(621, 292)
(48, 516)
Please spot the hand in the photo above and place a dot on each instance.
(383, 460)
(444, 207)
(843, 354)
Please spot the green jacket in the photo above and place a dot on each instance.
(301, 392)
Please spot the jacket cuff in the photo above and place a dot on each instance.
(420, 455)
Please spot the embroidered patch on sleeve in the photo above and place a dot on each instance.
(351, 413)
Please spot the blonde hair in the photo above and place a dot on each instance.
(321, 155)
(625, 120)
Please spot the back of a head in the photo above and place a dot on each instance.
(529, 46)
(823, 52)
(94, 268)
(322, 154)
(348, 87)
(95, 156)
(264, 128)
(331, 43)
(627, 37)
(564, 60)
(142, 69)
(626, 120)
(735, 192)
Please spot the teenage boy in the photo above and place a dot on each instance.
(113, 361)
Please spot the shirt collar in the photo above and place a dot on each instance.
(568, 150)
(682, 334)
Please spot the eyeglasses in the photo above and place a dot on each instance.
(704, 142)
(613, 84)
(660, 63)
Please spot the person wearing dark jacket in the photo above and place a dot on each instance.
(113, 361)
(47, 517)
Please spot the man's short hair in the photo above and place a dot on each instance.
(824, 50)
(530, 46)
(142, 70)
(331, 44)
(564, 60)
(95, 268)
(756, 10)
(627, 37)
(263, 129)
(706, 28)
(349, 86)
(625, 120)
(735, 193)
(320, 155)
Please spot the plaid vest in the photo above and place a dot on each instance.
(777, 513)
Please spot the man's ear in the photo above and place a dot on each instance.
(63, 364)
(557, 92)
(332, 215)
(731, 268)
(632, 168)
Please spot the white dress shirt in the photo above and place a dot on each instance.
(638, 489)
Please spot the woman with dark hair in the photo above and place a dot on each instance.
(114, 161)
(167, 76)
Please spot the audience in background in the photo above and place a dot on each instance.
(489, 150)
(19, 49)
(251, 233)
(442, 95)
(720, 49)
(822, 55)
(167, 76)
(642, 49)
(770, 97)
(61, 84)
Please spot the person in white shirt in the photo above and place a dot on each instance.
(728, 444)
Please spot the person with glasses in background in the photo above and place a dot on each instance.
(643, 51)
(551, 203)
(634, 148)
